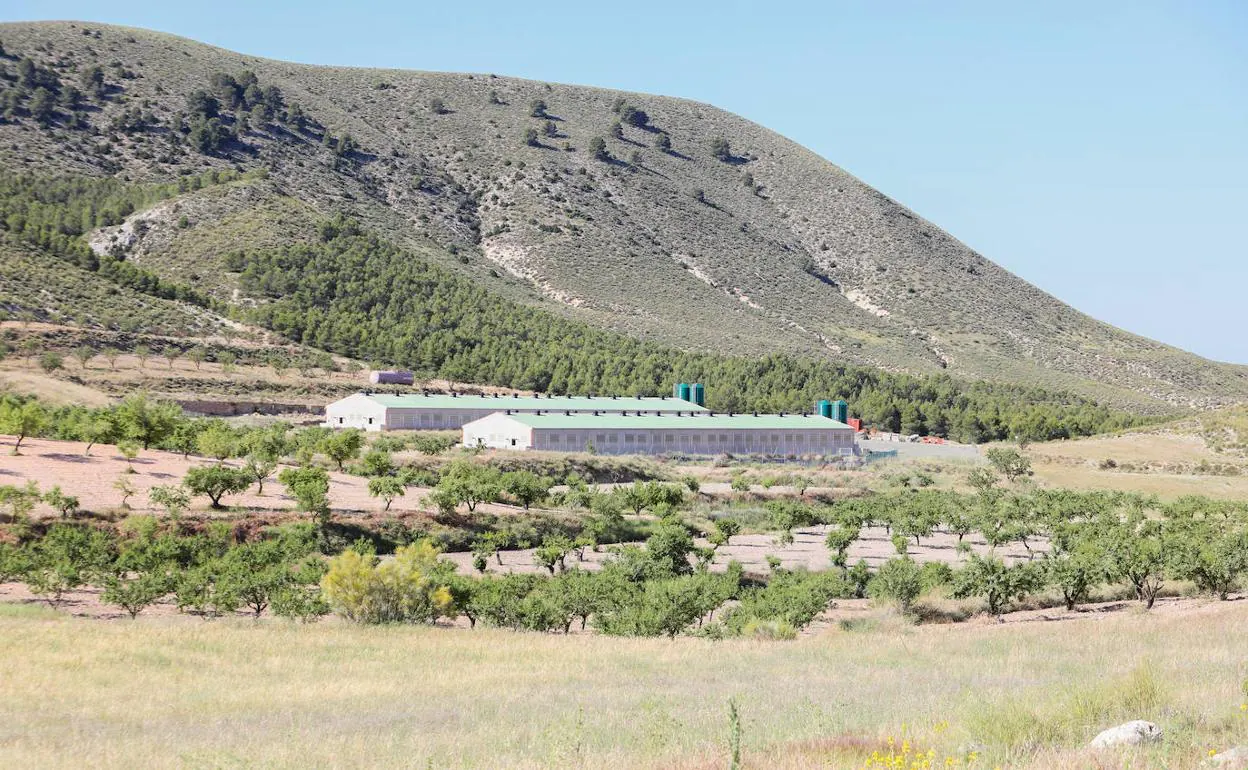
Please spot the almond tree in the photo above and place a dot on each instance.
(1136, 552)
(999, 584)
(84, 355)
(526, 487)
(96, 428)
(840, 537)
(21, 419)
(385, 487)
(216, 481)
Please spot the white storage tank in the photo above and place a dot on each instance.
(391, 377)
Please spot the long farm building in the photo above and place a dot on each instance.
(415, 411)
(686, 433)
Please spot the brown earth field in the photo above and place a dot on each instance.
(91, 478)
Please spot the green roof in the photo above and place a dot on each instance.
(502, 403)
(703, 421)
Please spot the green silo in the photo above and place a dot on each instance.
(823, 408)
(840, 411)
(683, 391)
(699, 394)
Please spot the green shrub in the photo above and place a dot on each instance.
(301, 603)
(795, 597)
(135, 592)
(309, 486)
(935, 573)
(769, 630)
(898, 580)
(998, 583)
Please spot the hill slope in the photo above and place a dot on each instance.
(691, 227)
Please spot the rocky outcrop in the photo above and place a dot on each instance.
(1129, 734)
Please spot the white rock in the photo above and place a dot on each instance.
(1130, 734)
(1231, 759)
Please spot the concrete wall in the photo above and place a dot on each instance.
(908, 449)
(234, 408)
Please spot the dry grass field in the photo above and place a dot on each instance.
(174, 692)
(104, 379)
(1200, 455)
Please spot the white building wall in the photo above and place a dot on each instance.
(497, 431)
(357, 411)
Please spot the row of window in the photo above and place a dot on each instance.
(429, 420)
(774, 439)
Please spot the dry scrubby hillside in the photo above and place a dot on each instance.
(756, 246)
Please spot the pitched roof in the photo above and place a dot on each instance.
(706, 421)
(502, 403)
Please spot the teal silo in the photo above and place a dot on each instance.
(840, 411)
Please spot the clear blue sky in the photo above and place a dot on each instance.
(1099, 150)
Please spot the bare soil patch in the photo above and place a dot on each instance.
(91, 478)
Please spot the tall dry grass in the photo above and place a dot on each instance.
(175, 691)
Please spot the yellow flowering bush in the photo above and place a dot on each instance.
(903, 755)
(407, 588)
